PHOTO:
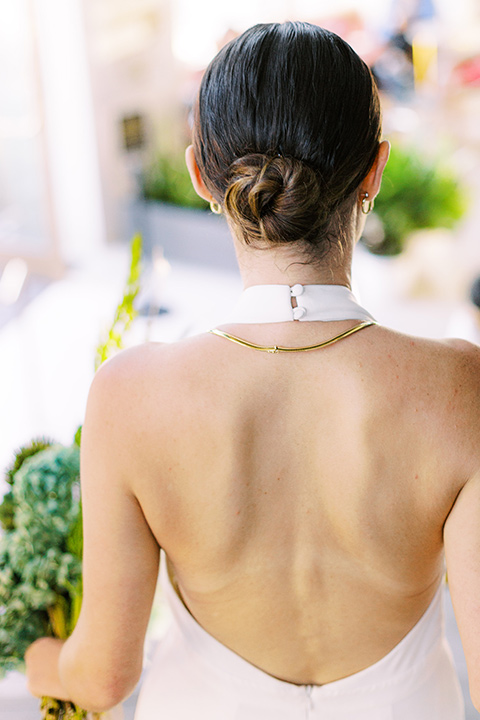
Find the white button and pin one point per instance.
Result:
(297, 290)
(299, 312)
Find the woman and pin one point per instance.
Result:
(303, 499)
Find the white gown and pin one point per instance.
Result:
(195, 677)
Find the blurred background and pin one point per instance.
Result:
(95, 113)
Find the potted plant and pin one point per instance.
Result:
(417, 193)
(175, 218)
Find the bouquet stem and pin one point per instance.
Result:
(60, 710)
(52, 709)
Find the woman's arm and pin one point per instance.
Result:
(462, 550)
(462, 527)
(101, 662)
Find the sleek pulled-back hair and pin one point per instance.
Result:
(287, 125)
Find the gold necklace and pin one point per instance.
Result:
(279, 348)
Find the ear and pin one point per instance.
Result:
(197, 182)
(373, 179)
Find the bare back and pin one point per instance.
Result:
(301, 498)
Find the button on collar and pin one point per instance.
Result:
(297, 290)
(299, 312)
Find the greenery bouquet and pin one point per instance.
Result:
(41, 539)
(40, 555)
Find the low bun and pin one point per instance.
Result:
(275, 199)
(301, 91)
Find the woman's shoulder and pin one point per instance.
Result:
(148, 375)
(140, 394)
(453, 353)
(140, 362)
(437, 380)
(439, 376)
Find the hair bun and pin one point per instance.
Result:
(274, 198)
(300, 89)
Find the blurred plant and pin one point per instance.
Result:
(125, 312)
(416, 193)
(167, 180)
(42, 543)
(7, 507)
(40, 553)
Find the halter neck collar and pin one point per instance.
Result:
(274, 303)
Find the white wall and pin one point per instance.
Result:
(71, 143)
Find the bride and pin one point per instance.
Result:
(304, 470)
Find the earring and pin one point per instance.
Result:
(215, 207)
(367, 205)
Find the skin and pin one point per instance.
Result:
(305, 502)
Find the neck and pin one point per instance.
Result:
(283, 266)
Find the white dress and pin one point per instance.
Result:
(194, 677)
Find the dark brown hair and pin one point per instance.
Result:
(287, 125)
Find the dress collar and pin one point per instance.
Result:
(273, 303)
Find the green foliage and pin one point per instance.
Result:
(7, 506)
(125, 312)
(39, 573)
(41, 548)
(7, 511)
(60, 710)
(78, 436)
(75, 537)
(74, 544)
(167, 180)
(25, 452)
(416, 193)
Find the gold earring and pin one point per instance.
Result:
(367, 205)
(215, 207)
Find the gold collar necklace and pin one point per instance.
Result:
(282, 303)
(280, 348)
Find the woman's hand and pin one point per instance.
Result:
(41, 661)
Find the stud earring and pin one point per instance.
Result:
(367, 205)
(215, 207)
